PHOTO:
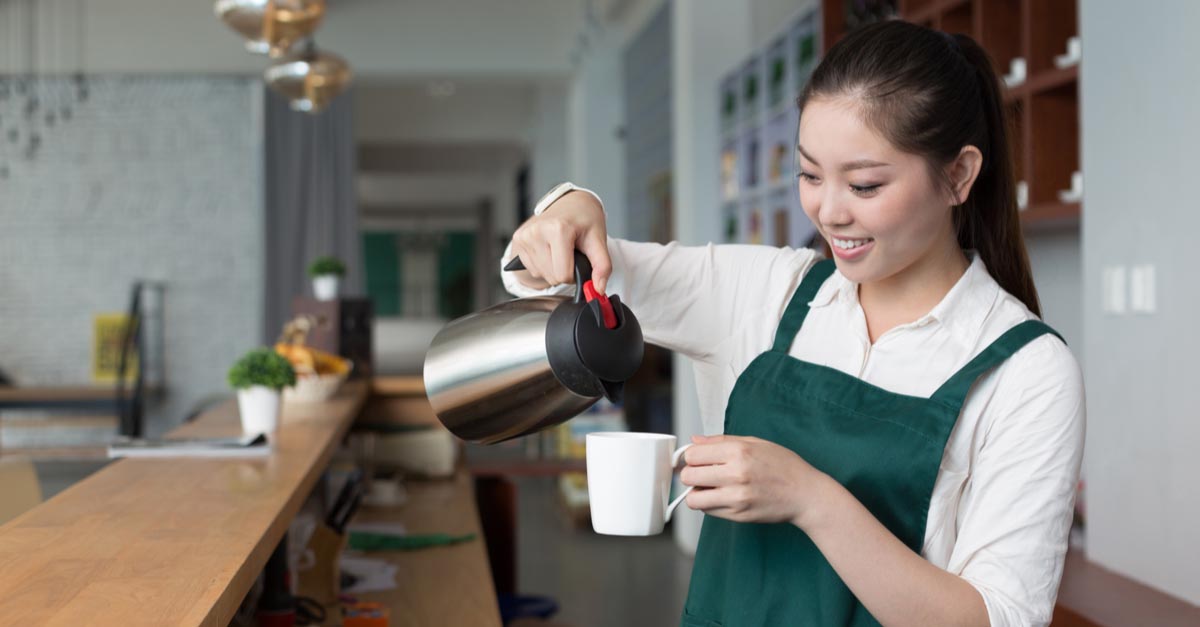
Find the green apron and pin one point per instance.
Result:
(884, 447)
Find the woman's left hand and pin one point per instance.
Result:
(747, 479)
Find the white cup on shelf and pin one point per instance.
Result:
(1017, 71)
(1075, 193)
(1072, 56)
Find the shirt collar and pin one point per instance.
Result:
(962, 309)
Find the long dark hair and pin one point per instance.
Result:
(931, 93)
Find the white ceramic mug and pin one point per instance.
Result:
(629, 481)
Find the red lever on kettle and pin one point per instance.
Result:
(606, 308)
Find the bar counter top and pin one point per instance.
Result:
(168, 541)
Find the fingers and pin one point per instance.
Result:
(714, 476)
(562, 253)
(594, 245)
(720, 449)
(723, 501)
(547, 243)
(546, 247)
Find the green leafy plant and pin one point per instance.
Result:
(262, 366)
(322, 266)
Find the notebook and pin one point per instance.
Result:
(252, 445)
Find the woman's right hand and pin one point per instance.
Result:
(547, 243)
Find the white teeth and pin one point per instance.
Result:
(847, 244)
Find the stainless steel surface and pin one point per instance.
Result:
(488, 378)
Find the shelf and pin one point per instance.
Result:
(1048, 216)
(929, 11)
(1044, 81)
(1000, 32)
(1091, 595)
(958, 17)
(1051, 24)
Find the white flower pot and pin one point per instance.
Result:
(325, 287)
(259, 409)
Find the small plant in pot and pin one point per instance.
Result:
(259, 377)
(325, 273)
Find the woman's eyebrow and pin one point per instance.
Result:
(848, 166)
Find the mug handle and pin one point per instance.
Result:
(675, 457)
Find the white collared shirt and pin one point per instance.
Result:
(1002, 503)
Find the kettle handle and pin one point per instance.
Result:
(583, 272)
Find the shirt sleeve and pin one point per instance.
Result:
(1016, 508)
(690, 299)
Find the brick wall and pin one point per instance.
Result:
(157, 178)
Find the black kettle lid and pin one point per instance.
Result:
(594, 343)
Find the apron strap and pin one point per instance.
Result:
(954, 392)
(797, 308)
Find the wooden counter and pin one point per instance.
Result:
(449, 586)
(167, 541)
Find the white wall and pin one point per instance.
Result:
(480, 110)
(768, 17)
(548, 138)
(153, 178)
(429, 190)
(709, 38)
(1139, 88)
(1057, 261)
(595, 117)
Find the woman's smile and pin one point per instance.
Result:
(851, 249)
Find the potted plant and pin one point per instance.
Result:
(325, 272)
(258, 377)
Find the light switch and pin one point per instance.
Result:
(1113, 290)
(1142, 289)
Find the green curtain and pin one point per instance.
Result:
(381, 258)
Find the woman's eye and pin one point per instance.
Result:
(865, 190)
(805, 176)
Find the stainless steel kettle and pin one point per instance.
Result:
(531, 363)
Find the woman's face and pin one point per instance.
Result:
(877, 207)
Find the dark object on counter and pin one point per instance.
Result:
(346, 503)
(514, 606)
(529, 364)
(343, 328)
(367, 541)
(276, 607)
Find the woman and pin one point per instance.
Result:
(902, 435)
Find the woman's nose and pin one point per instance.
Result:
(832, 209)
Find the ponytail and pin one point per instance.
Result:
(988, 221)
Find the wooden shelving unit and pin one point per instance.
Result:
(1044, 108)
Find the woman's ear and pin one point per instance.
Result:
(963, 171)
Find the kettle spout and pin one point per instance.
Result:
(614, 391)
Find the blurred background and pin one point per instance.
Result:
(154, 170)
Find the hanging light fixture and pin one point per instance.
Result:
(271, 26)
(310, 79)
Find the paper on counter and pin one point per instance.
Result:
(373, 574)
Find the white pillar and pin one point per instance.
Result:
(709, 38)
